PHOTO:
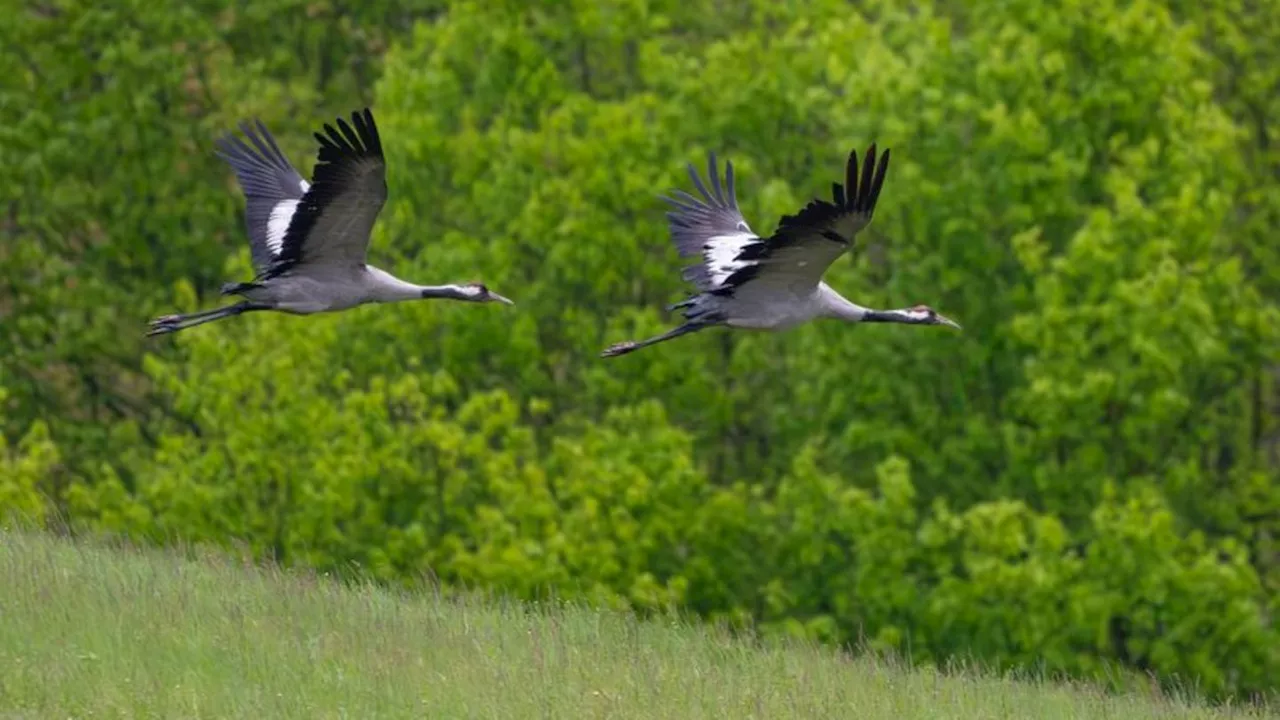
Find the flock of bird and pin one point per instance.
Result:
(309, 242)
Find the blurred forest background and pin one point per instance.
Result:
(1085, 478)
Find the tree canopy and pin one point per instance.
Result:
(1085, 476)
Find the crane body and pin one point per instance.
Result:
(774, 283)
(308, 240)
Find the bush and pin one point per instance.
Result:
(25, 471)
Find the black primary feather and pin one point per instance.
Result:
(854, 201)
(342, 151)
(861, 200)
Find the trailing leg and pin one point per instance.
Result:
(623, 348)
(173, 323)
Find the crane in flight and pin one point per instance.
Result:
(308, 241)
(745, 281)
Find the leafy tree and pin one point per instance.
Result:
(107, 113)
(1083, 477)
(23, 470)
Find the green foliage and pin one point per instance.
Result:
(23, 471)
(156, 634)
(997, 581)
(1084, 477)
(107, 116)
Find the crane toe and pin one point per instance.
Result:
(621, 348)
(164, 324)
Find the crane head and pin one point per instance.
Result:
(925, 315)
(478, 292)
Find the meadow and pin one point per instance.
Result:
(106, 630)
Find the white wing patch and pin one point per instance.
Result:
(278, 223)
(720, 253)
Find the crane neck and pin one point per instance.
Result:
(840, 308)
(450, 292)
(907, 316)
(389, 288)
(836, 306)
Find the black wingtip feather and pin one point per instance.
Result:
(361, 142)
(860, 194)
(864, 191)
(881, 169)
(850, 181)
(341, 148)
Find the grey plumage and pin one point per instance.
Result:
(694, 221)
(309, 241)
(267, 180)
(349, 188)
(773, 283)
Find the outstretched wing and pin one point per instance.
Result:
(272, 188)
(805, 244)
(334, 218)
(711, 229)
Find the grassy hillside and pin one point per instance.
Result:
(92, 631)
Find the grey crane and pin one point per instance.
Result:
(308, 241)
(775, 283)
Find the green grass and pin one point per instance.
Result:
(93, 631)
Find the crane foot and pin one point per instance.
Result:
(621, 348)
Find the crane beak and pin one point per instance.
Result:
(949, 322)
(495, 296)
